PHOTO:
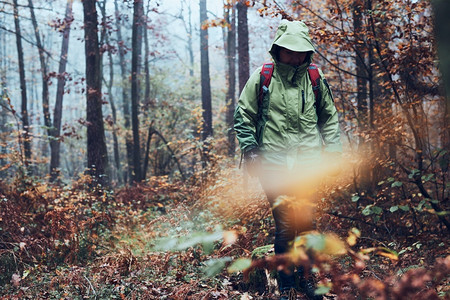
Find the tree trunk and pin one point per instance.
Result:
(205, 78)
(125, 98)
(147, 100)
(97, 156)
(3, 65)
(243, 54)
(244, 58)
(105, 39)
(3, 134)
(231, 91)
(114, 115)
(136, 45)
(190, 46)
(3, 95)
(147, 149)
(23, 87)
(55, 142)
(361, 97)
(361, 79)
(45, 97)
(441, 9)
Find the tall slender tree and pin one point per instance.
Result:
(3, 97)
(114, 117)
(125, 95)
(360, 57)
(23, 87)
(43, 64)
(55, 142)
(207, 129)
(147, 62)
(109, 85)
(441, 9)
(148, 102)
(243, 52)
(230, 16)
(361, 85)
(136, 45)
(97, 155)
(3, 110)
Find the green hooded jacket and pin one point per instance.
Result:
(288, 128)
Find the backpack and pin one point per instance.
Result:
(266, 76)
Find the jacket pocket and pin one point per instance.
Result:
(303, 101)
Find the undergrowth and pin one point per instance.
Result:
(167, 239)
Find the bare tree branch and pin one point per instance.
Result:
(25, 6)
(25, 39)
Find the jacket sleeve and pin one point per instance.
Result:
(246, 114)
(328, 121)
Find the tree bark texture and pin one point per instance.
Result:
(360, 56)
(231, 91)
(104, 38)
(55, 142)
(243, 52)
(441, 10)
(3, 110)
(45, 96)
(125, 98)
(361, 84)
(23, 88)
(97, 155)
(205, 77)
(148, 102)
(114, 116)
(136, 44)
(147, 149)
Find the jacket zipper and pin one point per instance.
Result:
(303, 101)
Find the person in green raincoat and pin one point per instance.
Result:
(285, 138)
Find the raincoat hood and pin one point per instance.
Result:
(292, 35)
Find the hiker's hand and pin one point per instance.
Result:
(252, 162)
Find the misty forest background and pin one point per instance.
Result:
(119, 168)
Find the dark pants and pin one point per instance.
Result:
(293, 213)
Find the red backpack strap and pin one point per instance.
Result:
(314, 76)
(266, 76)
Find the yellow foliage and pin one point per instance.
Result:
(353, 235)
(334, 245)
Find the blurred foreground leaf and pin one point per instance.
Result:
(206, 239)
(326, 243)
(215, 266)
(239, 265)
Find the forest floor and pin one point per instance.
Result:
(162, 241)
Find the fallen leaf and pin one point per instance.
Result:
(15, 280)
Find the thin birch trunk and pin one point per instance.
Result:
(55, 142)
